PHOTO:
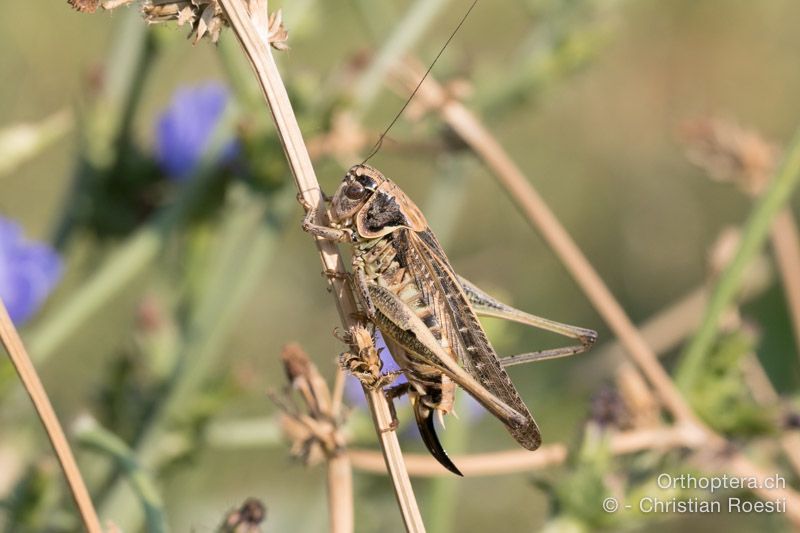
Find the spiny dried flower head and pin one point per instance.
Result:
(277, 34)
(730, 153)
(372, 365)
(313, 424)
(205, 17)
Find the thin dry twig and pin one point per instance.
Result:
(33, 385)
(520, 461)
(251, 29)
(643, 408)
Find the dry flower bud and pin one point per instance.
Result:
(730, 153)
(608, 409)
(313, 429)
(245, 519)
(206, 17)
(295, 362)
(366, 365)
(277, 33)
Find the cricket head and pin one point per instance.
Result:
(373, 204)
(357, 187)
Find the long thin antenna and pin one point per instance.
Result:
(379, 143)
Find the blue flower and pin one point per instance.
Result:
(185, 128)
(29, 271)
(352, 388)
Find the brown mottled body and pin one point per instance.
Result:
(408, 289)
(386, 268)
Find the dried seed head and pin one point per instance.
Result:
(245, 519)
(277, 34)
(730, 153)
(85, 6)
(607, 408)
(295, 362)
(314, 428)
(304, 443)
(205, 17)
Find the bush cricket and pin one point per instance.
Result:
(407, 288)
(427, 314)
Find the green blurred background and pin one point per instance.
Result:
(596, 135)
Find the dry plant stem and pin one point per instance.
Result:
(30, 379)
(483, 143)
(786, 246)
(520, 461)
(486, 464)
(257, 51)
(340, 494)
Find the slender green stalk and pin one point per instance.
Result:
(105, 442)
(754, 234)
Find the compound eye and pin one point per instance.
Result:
(355, 191)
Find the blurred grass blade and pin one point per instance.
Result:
(21, 142)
